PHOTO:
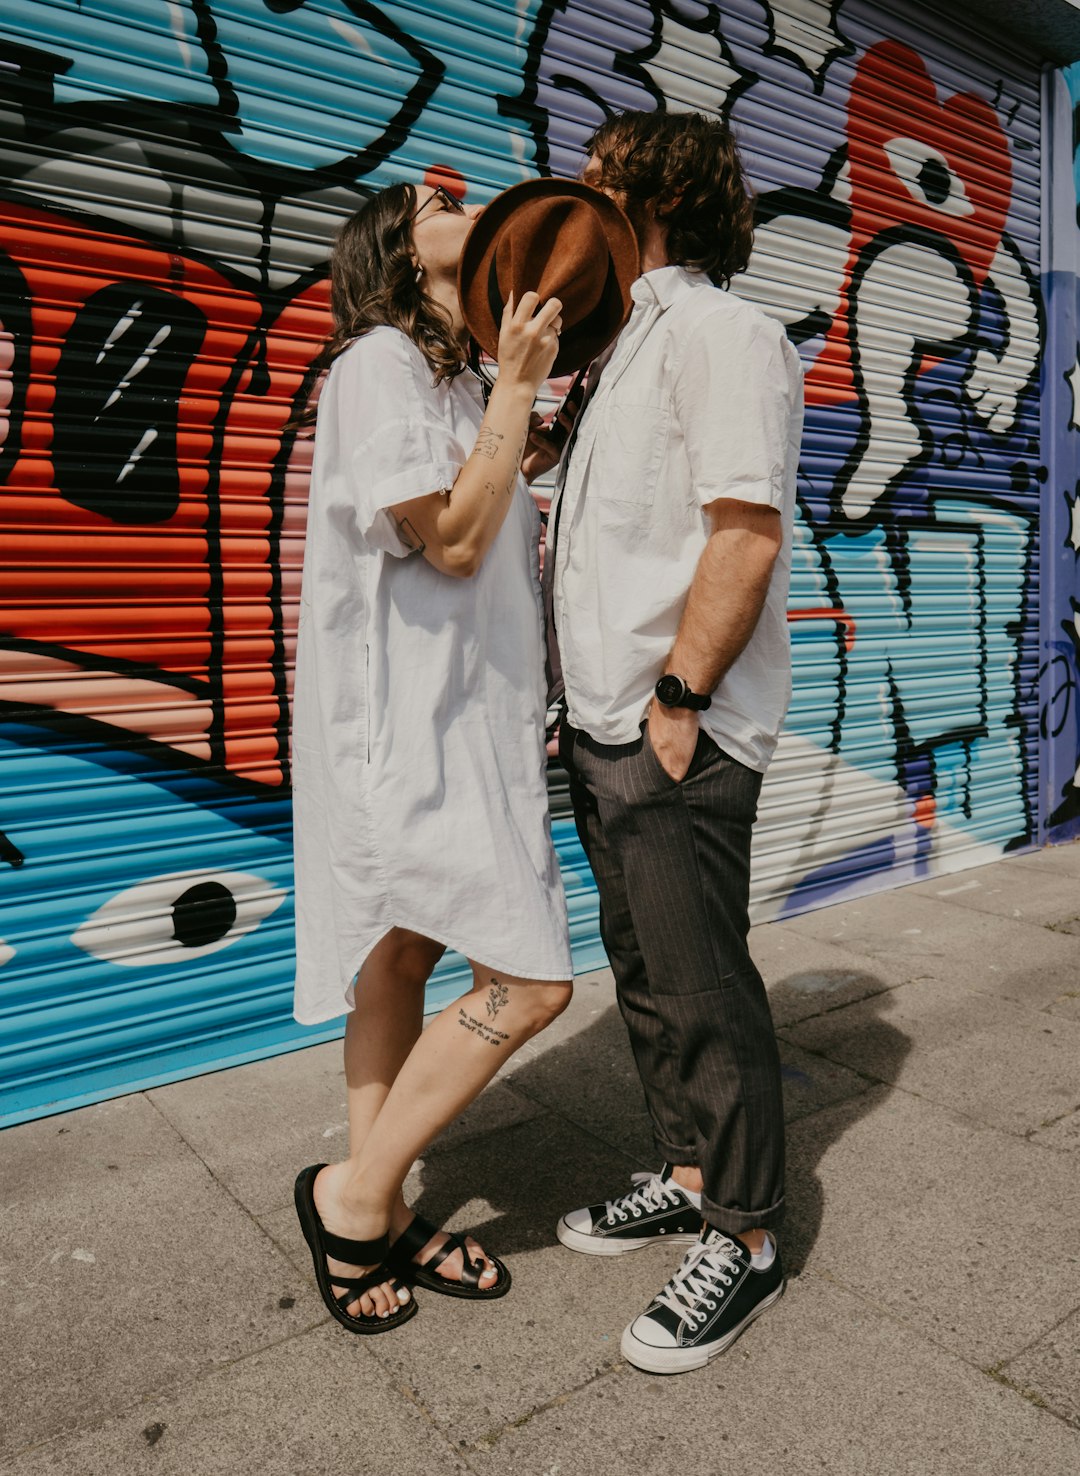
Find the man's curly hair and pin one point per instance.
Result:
(688, 167)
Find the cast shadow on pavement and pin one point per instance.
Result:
(589, 1130)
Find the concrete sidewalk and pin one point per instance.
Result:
(160, 1314)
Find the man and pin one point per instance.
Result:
(669, 577)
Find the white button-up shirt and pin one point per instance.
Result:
(701, 399)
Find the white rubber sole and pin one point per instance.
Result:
(597, 1245)
(682, 1360)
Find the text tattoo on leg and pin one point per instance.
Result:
(498, 995)
(478, 1027)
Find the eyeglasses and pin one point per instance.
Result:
(440, 192)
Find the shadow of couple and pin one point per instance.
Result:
(578, 1125)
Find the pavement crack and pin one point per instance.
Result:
(491, 1438)
(1003, 1363)
(249, 1213)
(1031, 1395)
(995, 1371)
(412, 1397)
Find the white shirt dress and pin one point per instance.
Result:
(419, 774)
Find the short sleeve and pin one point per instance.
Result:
(396, 440)
(735, 390)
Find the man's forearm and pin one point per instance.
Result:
(726, 597)
(723, 606)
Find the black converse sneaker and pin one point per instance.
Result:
(714, 1294)
(656, 1209)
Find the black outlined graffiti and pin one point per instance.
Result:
(644, 54)
(808, 34)
(1064, 695)
(1072, 379)
(119, 378)
(937, 324)
(201, 186)
(15, 350)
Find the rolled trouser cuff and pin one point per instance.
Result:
(677, 1156)
(738, 1222)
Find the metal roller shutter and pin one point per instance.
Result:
(896, 161)
(909, 275)
(171, 173)
(172, 176)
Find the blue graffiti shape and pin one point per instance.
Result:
(127, 50)
(828, 882)
(931, 680)
(1069, 808)
(334, 87)
(151, 920)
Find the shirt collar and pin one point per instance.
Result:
(663, 285)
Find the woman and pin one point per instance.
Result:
(420, 795)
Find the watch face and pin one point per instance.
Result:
(669, 689)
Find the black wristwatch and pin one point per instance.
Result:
(672, 691)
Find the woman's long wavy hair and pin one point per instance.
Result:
(688, 167)
(373, 282)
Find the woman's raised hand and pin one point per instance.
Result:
(529, 339)
(455, 532)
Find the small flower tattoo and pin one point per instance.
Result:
(497, 997)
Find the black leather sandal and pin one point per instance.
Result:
(322, 1243)
(412, 1241)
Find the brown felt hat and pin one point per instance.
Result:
(561, 239)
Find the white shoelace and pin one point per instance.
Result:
(693, 1292)
(651, 1194)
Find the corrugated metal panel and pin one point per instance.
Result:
(910, 279)
(896, 160)
(171, 177)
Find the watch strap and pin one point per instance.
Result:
(693, 700)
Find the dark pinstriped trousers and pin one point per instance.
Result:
(672, 867)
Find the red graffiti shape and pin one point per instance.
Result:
(914, 161)
(145, 513)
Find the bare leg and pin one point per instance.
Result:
(385, 1025)
(450, 1063)
(379, 1034)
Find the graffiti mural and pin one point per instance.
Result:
(171, 177)
(897, 242)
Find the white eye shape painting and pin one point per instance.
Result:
(178, 917)
(927, 177)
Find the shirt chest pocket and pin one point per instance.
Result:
(629, 454)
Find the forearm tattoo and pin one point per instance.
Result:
(487, 443)
(498, 995)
